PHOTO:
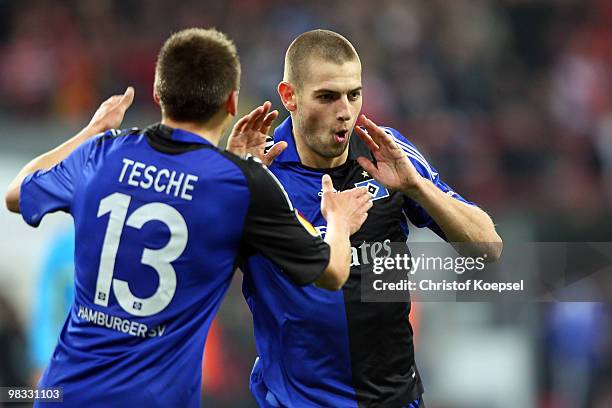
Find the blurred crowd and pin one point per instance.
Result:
(511, 100)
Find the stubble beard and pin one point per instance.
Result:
(326, 149)
(320, 143)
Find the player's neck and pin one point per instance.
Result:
(212, 130)
(310, 158)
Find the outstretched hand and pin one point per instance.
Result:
(250, 132)
(393, 169)
(110, 113)
(108, 116)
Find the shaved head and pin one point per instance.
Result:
(316, 44)
(321, 88)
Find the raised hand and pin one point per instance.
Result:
(392, 168)
(250, 132)
(349, 207)
(108, 116)
(110, 113)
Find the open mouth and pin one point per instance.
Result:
(341, 136)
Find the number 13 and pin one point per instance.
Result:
(159, 259)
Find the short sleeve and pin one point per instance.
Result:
(277, 230)
(415, 213)
(47, 191)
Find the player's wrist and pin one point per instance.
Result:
(338, 223)
(416, 189)
(94, 128)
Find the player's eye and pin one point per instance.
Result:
(326, 97)
(353, 96)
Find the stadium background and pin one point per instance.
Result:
(510, 100)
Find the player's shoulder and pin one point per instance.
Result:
(114, 134)
(250, 165)
(255, 172)
(405, 144)
(399, 138)
(102, 141)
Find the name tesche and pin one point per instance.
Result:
(166, 181)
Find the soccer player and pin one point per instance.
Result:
(328, 349)
(162, 217)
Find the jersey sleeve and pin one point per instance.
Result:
(414, 212)
(47, 191)
(277, 230)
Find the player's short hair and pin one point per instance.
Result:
(324, 44)
(196, 71)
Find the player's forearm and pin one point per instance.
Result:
(337, 235)
(46, 161)
(460, 222)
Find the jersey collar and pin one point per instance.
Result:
(178, 135)
(284, 132)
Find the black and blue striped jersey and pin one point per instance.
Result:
(329, 349)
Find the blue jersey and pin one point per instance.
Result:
(328, 349)
(162, 218)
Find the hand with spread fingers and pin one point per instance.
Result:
(250, 132)
(392, 168)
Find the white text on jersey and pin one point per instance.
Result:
(165, 181)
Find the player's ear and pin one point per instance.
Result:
(156, 97)
(287, 95)
(231, 105)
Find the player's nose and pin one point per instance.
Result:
(343, 111)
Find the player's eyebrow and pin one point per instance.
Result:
(320, 91)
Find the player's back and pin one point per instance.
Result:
(159, 218)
